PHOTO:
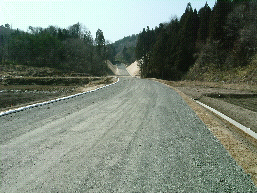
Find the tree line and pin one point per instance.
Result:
(71, 49)
(224, 37)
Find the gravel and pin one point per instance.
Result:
(135, 136)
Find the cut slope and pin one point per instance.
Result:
(112, 67)
(134, 69)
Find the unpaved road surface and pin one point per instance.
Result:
(135, 136)
(122, 71)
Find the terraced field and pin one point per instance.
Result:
(248, 102)
(15, 92)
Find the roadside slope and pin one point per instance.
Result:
(112, 67)
(134, 69)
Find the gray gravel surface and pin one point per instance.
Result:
(122, 71)
(135, 136)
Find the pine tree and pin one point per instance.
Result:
(145, 43)
(159, 54)
(204, 19)
(187, 36)
(218, 19)
(100, 44)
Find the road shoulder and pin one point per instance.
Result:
(240, 146)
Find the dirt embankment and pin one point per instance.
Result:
(134, 69)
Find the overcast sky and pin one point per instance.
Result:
(116, 18)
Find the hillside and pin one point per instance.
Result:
(247, 74)
(212, 44)
(125, 49)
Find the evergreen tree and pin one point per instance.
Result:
(218, 18)
(125, 54)
(204, 18)
(100, 43)
(164, 52)
(189, 25)
(144, 47)
(101, 53)
(75, 30)
(157, 60)
(111, 52)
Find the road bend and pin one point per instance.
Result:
(122, 71)
(135, 136)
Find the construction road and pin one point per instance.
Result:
(135, 136)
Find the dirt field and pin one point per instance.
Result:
(14, 96)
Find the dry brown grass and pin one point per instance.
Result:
(210, 73)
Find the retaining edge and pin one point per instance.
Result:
(238, 125)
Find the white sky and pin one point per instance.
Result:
(116, 18)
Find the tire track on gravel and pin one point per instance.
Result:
(137, 136)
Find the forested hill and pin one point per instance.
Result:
(206, 44)
(69, 50)
(125, 49)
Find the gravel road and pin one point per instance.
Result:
(135, 136)
(122, 71)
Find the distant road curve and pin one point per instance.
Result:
(122, 71)
(135, 136)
